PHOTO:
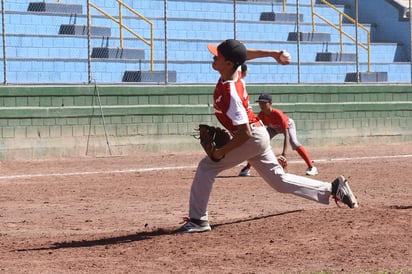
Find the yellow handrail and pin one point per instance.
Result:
(340, 28)
(122, 26)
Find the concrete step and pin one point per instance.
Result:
(55, 7)
(148, 76)
(72, 29)
(280, 16)
(367, 77)
(310, 36)
(117, 53)
(335, 57)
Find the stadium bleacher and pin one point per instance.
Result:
(38, 52)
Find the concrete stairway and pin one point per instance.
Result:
(103, 52)
(42, 55)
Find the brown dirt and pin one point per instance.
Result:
(117, 215)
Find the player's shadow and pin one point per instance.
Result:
(142, 235)
(235, 176)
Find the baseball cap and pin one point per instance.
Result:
(233, 50)
(265, 98)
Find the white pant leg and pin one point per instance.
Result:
(258, 152)
(293, 138)
(269, 169)
(207, 171)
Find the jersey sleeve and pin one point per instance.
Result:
(237, 112)
(231, 104)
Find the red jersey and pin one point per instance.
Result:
(231, 104)
(277, 120)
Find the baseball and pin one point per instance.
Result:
(285, 57)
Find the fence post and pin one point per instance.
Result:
(410, 36)
(234, 19)
(357, 42)
(298, 37)
(166, 53)
(89, 66)
(3, 27)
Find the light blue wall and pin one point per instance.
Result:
(388, 22)
(37, 54)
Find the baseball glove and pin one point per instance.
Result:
(211, 138)
(283, 162)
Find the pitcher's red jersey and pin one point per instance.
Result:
(231, 104)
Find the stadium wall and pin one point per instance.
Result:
(39, 122)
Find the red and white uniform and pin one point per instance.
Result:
(231, 103)
(277, 120)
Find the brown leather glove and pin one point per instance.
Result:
(211, 138)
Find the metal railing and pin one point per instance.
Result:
(122, 26)
(340, 28)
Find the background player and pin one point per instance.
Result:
(250, 142)
(243, 69)
(278, 122)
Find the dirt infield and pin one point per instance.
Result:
(118, 214)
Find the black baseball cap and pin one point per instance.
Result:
(265, 98)
(233, 50)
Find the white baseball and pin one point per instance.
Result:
(285, 56)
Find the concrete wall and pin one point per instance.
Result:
(388, 23)
(49, 121)
(40, 55)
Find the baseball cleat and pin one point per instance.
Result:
(312, 171)
(245, 171)
(342, 192)
(193, 225)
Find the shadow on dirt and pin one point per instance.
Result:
(142, 235)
